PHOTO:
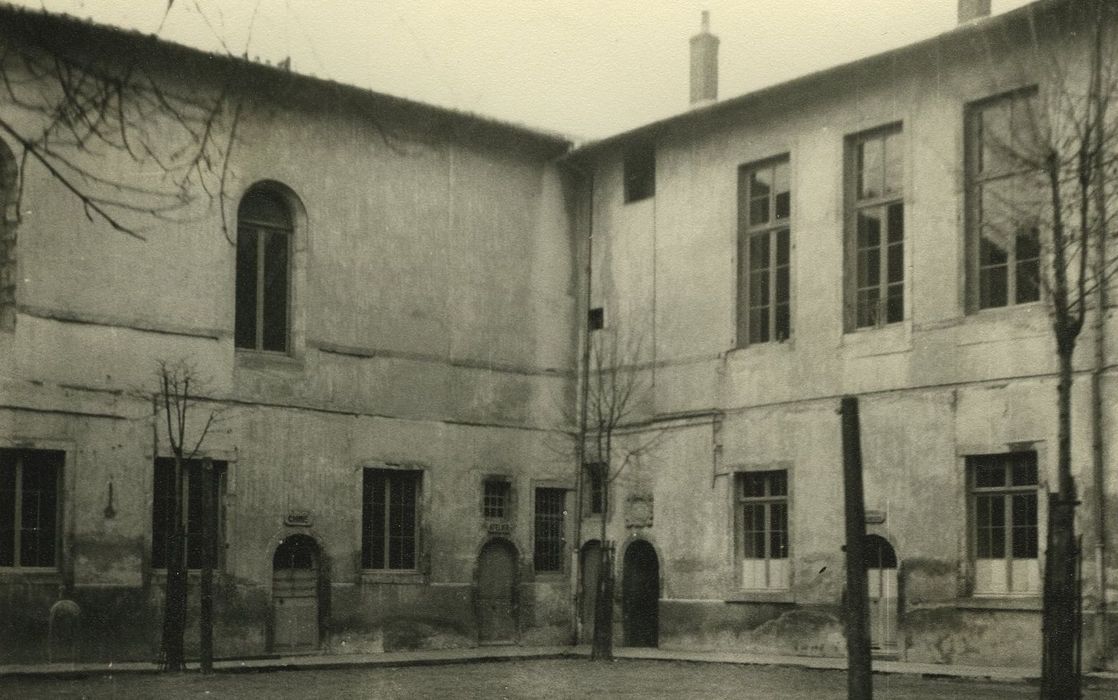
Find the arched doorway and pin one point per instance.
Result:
(591, 564)
(640, 595)
(295, 603)
(496, 593)
(881, 573)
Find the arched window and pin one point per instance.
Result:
(264, 233)
(8, 185)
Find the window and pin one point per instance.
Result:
(875, 230)
(264, 233)
(595, 487)
(1005, 197)
(29, 481)
(550, 508)
(596, 319)
(495, 500)
(389, 519)
(193, 489)
(763, 529)
(764, 209)
(640, 173)
(1004, 518)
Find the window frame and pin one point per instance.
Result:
(159, 532)
(886, 201)
(1005, 460)
(552, 560)
(17, 456)
(741, 501)
(262, 231)
(772, 229)
(390, 476)
(975, 181)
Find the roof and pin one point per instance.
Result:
(40, 23)
(708, 112)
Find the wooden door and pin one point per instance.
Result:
(295, 594)
(640, 595)
(496, 590)
(881, 573)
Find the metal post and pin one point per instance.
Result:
(859, 678)
(206, 613)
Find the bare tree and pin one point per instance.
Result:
(176, 400)
(1063, 149)
(81, 101)
(613, 439)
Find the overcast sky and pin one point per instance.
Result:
(588, 68)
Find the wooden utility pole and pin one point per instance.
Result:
(206, 613)
(859, 678)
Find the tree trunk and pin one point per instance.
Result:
(174, 601)
(1060, 677)
(206, 609)
(602, 649)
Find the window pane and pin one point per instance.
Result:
(1024, 470)
(994, 135)
(373, 520)
(245, 322)
(990, 474)
(7, 507)
(778, 483)
(868, 304)
(894, 164)
(161, 511)
(549, 530)
(895, 263)
(778, 524)
(783, 328)
(869, 267)
(40, 507)
(869, 228)
(896, 222)
(870, 168)
(894, 303)
(782, 247)
(1028, 266)
(992, 287)
(759, 325)
(753, 519)
(263, 207)
(1024, 526)
(760, 192)
(753, 484)
(275, 291)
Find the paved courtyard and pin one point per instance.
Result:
(557, 678)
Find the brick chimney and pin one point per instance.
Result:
(970, 10)
(704, 64)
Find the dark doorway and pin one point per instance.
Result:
(640, 595)
(496, 593)
(295, 588)
(591, 565)
(881, 574)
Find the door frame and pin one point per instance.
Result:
(655, 552)
(322, 590)
(894, 612)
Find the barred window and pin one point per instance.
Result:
(550, 511)
(495, 499)
(390, 519)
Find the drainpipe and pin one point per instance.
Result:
(1098, 461)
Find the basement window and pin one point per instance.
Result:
(640, 173)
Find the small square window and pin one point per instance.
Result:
(495, 499)
(596, 319)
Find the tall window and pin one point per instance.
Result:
(763, 529)
(1005, 197)
(875, 238)
(496, 499)
(594, 478)
(764, 290)
(29, 481)
(550, 506)
(193, 491)
(639, 170)
(390, 519)
(264, 233)
(1004, 521)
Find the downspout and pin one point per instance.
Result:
(1097, 443)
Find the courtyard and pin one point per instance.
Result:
(553, 678)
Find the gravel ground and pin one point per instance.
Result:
(568, 678)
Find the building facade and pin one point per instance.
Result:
(389, 307)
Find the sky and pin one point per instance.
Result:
(585, 68)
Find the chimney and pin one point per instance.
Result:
(704, 64)
(970, 10)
